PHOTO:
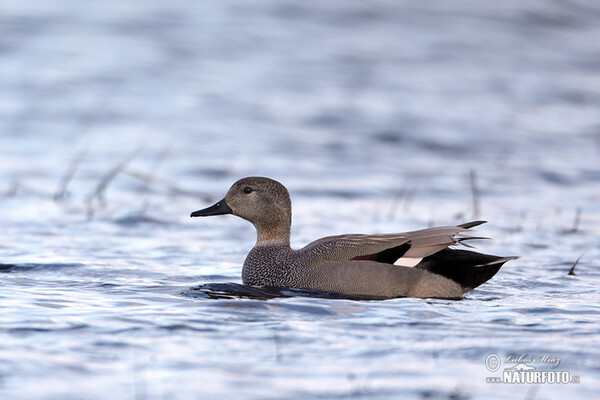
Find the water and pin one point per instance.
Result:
(118, 119)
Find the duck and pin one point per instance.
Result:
(423, 263)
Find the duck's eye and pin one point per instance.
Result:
(247, 190)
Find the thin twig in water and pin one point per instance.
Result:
(572, 270)
(17, 187)
(278, 352)
(145, 186)
(162, 156)
(111, 175)
(98, 193)
(523, 216)
(532, 392)
(577, 220)
(12, 189)
(82, 126)
(474, 193)
(396, 200)
(68, 176)
(410, 196)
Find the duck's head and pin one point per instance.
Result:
(262, 201)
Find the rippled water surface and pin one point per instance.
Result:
(117, 119)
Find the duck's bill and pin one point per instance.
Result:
(220, 208)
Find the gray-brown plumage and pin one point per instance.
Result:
(353, 264)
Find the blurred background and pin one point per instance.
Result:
(119, 118)
(361, 97)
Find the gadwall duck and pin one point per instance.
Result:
(356, 265)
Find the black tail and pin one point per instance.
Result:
(467, 268)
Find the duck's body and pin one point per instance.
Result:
(354, 265)
(281, 266)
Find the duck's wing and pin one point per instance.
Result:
(386, 248)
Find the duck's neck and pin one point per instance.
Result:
(278, 234)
